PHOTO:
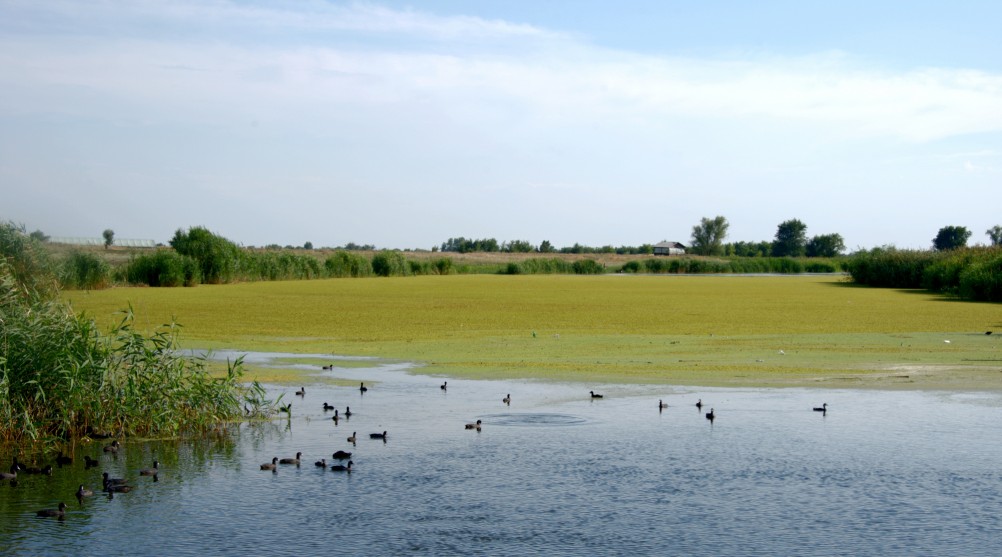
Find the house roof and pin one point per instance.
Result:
(667, 244)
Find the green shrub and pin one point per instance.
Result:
(588, 267)
(982, 281)
(346, 264)
(84, 271)
(390, 264)
(218, 258)
(163, 268)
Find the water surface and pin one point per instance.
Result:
(555, 472)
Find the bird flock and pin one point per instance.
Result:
(111, 485)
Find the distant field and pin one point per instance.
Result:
(687, 330)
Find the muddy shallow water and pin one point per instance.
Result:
(554, 472)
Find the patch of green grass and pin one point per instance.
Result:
(697, 330)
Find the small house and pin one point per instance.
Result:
(669, 248)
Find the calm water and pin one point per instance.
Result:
(554, 473)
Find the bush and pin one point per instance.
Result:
(345, 264)
(163, 268)
(390, 264)
(217, 257)
(588, 267)
(982, 281)
(84, 271)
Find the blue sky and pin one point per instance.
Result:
(403, 124)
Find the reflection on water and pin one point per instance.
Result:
(554, 472)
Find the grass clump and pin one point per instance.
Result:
(60, 377)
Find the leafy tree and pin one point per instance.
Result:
(791, 239)
(41, 237)
(995, 234)
(825, 245)
(708, 236)
(546, 247)
(517, 246)
(217, 257)
(308, 245)
(109, 237)
(951, 237)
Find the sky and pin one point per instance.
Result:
(404, 124)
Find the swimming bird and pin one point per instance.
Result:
(331, 366)
(378, 436)
(291, 460)
(151, 471)
(322, 463)
(286, 409)
(473, 426)
(342, 468)
(273, 465)
(81, 493)
(90, 462)
(988, 332)
(12, 475)
(362, 387)
(352, 438)
(328, 407)
(347, 412)
(59, 513)
(113, 447)
(15, 465)
(710, 415)
(301, 391)
(593, 395)
(341, 455)
(108, 480)
(822, 408)
(699, 403)
(507, 399)
(111, 489)
(662, 404)
(443, 385)
(47, 470)
(63, 460)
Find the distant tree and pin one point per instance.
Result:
(546, 247)
(216, 256)
(708, 236)
(791, 239)
(951, 237)
(308, 245)
(517, 246)
(825, 245)
(109, 238)
(41, 237)
(995, 234)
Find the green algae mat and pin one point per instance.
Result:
(719, 330)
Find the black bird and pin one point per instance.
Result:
(335, 417)
(331, 366)
(507, 399)
(47, 470)
(111, 489)
(63, 460)
(89, 462)
(151, 471)
(823, 408)
(328, 407)
(273, 465)
(113, 447)
(378, 436)
(286, 409)
(322, 463)
(443, 385)
(710, 416)
(301, 391)
(699, 403)
(112, 481)
(291, 460)
(662, 405)
(342, 468)
(352, 438)
(58, 513)
(473, 426)
(593, 395)
(988, 332)
(362, 387)
(81, 493)
(341, 455)
(347, 412)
